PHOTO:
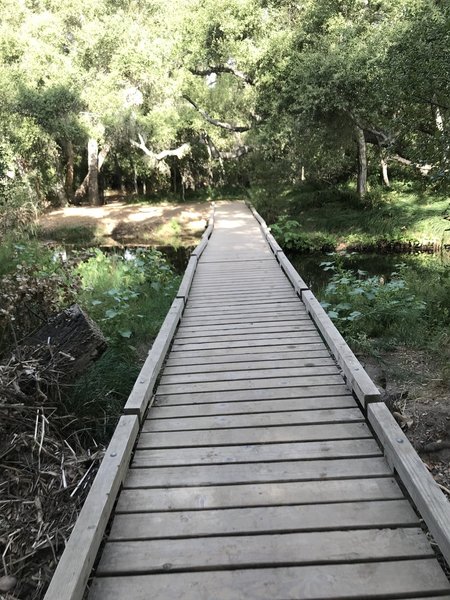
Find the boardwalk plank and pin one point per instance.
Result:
(251, 384)
(258, 420)
(253, 435)
(252, 342)
(257, 453)
(263, 550)
(262, 373)
(258, 494)
(240, 408)
(268, 325)
(262, 393)
(257, 331)
(237, 355)
(376, 580)
(276, 519)
(271, 361)
(337, 468)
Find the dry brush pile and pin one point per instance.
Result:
(47, 459)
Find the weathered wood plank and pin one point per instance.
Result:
(247, 329)
(292, 340)
(291, 273)
(255, 323)
(381, 580)
(356, 377)
(71, 575)
(264, 373)
(236, 318)
(254, 395)
(268, 419)
(258, 494)
(319, 351)
(236, 408)
(262, 550)
(274, 519)
(233, 303)
(186, 282)
(254, 435)
(256, 350)
(307, 333)
(251, 384)
(364, 448)
(426, 495)
(143, 388)
(270, 362)
(337, 468)
(244, 299)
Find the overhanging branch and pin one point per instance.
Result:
(179, 152)
(216, 122)
(223, 69)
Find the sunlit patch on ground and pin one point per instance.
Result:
(118, 223)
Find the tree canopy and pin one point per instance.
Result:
(151, 96)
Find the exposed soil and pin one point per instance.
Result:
(418, 394)
(119, 223)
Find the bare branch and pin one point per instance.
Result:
(179, 152)
(215, 122)
(223, 69)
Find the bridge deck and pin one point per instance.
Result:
(256, 474)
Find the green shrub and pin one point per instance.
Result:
(290, 234)
(371, 307)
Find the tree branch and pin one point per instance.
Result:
(223, 69)
(179, 152)
(215, 122)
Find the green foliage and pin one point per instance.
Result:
(290, 235)
(308, 216)
(119, 290)
(364, 306)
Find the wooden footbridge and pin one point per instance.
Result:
(266, 467)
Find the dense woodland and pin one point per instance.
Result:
(151, 96)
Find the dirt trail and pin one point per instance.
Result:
(119, 223)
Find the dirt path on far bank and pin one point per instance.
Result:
(118, 223)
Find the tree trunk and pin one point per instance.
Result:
(68, 184)
(362, 163)
(82, 189)
(93, 195)
(67, 345)
(384, 172)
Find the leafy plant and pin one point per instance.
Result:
(372, 306)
